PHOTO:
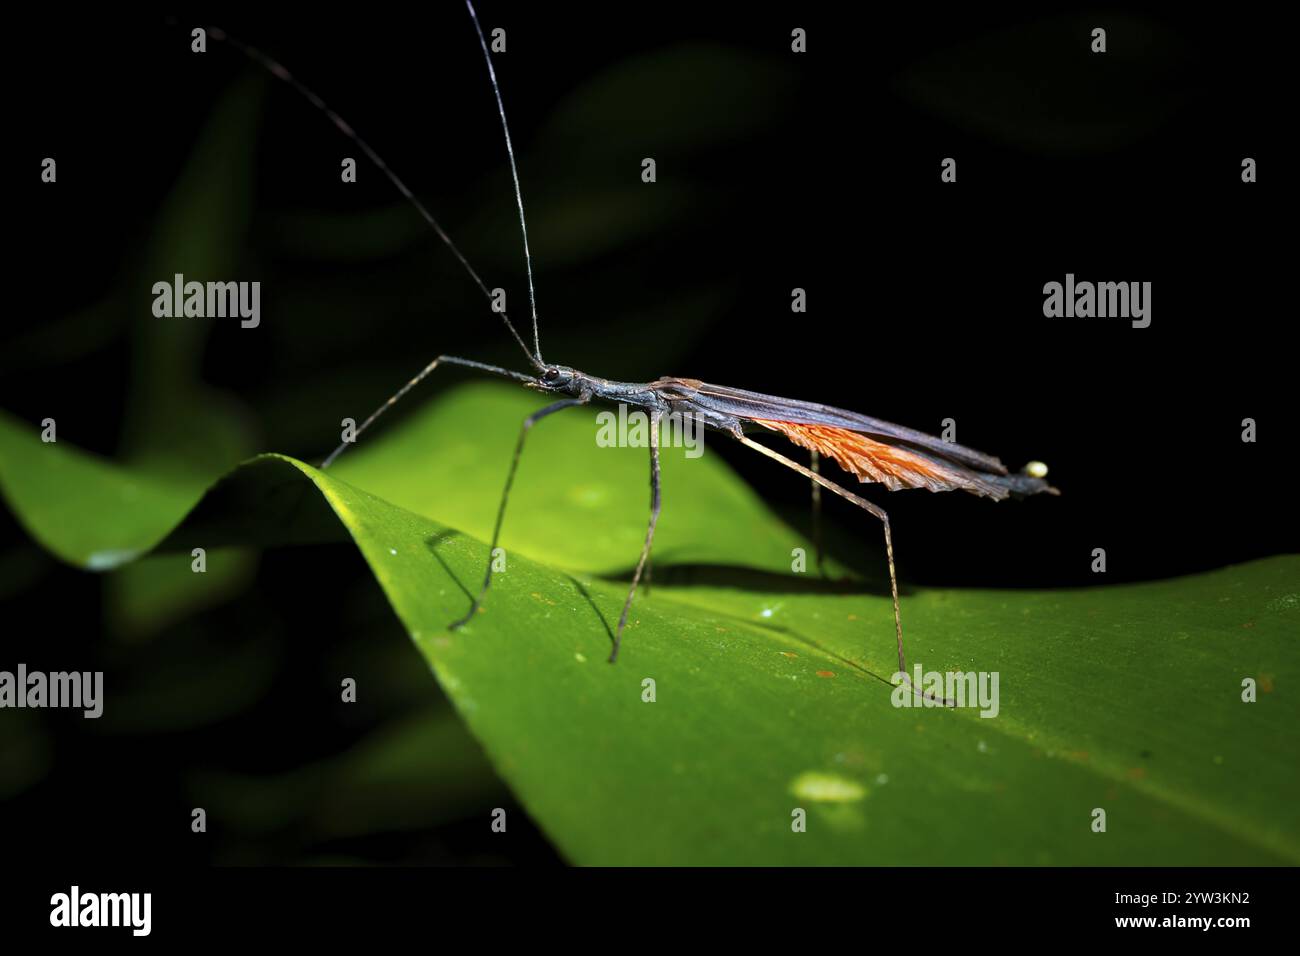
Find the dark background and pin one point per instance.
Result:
(819, 171)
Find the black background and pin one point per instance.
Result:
(925, 299)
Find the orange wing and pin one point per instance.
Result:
(890, 465)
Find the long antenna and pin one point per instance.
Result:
(514, 172)
(280, 73)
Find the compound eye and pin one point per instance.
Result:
(551, 375)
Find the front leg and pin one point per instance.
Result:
(650, 531)
(529, 422)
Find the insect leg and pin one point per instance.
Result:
(529, 422)
(649, 534)
(865, 505)
(440, 360)
(817, 514)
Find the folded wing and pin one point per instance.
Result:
(755, 405)
(871, 449)
(893, 466)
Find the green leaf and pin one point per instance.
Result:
(178, 431)
(772, 689)
(85, 510)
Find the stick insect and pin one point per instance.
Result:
(871, 450)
